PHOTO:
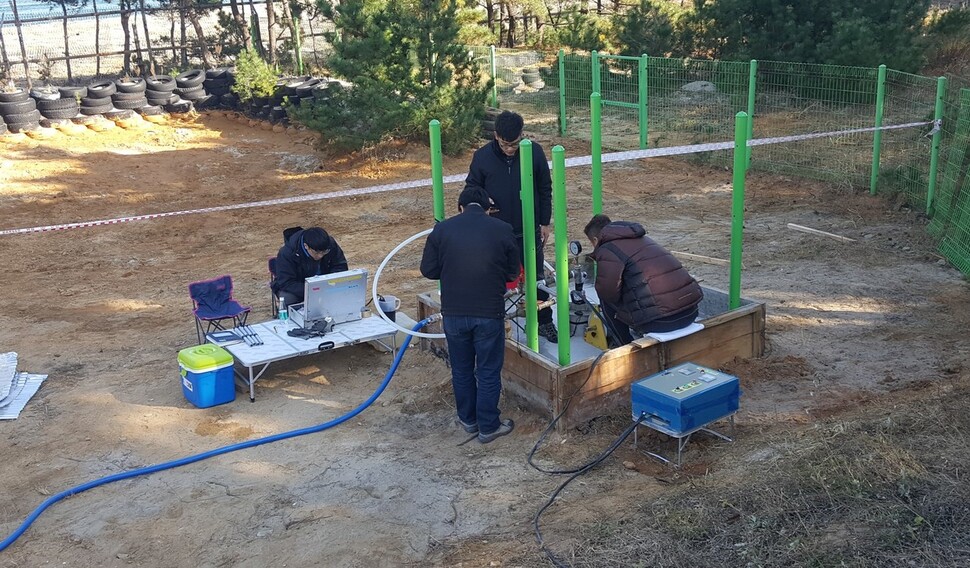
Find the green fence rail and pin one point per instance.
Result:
(661, 102)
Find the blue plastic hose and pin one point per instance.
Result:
(216, 452)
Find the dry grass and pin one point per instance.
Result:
(878, 487)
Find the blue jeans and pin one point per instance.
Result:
(476, 350)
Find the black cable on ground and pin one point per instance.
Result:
(595, 462)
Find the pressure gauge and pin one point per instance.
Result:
(575, 248)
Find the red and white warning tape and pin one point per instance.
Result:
(571, 162)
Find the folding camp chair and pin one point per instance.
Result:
(213, 303)
(271, 264)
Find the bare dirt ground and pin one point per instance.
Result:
(105, 310)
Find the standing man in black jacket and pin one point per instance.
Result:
(495, 168)
(474, 256)
(309, 252)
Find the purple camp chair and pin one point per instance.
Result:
(213, 303)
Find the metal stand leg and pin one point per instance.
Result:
(252, 386)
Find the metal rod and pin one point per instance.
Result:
(562, 93)
(491, 67)
(752, 90)
(562, 251)
(877, 135)
(596, 147)
(527, 196)
(737, 207)
(644, 96)
(935, 150)
(437, 179)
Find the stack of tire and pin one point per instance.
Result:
(129, 97)
(190, 89)
(216, 85)
(230, 99)
(19, 112)
(53, 111)
(532, 79)
(488, 123)
(98, 99)
(160, 93)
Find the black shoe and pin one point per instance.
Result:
(548, 330)
(470, 428)
(504, 428)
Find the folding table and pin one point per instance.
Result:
(278, 346)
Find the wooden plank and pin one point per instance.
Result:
(720, 354)
(700, 258)
(711, 336)
(812, 231)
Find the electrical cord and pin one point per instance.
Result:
(595, 462)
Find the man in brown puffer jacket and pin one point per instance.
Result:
(641, 286)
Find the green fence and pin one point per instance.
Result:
(661, 102)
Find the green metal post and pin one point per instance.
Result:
(562, 92)
(737, 207)
(752, 85)
(935, 151)
(562, 251)
(298, 45)
(877, 135)
(437, 178)
(596, 72)
(642, 99)
(596, 143)
(527, 196)
(491, 66)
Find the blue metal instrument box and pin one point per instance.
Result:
(684, 398)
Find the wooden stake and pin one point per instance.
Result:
(817, 232)
(700, 258)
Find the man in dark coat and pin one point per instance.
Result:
(474, 255)
(641, 286)
(495, 168)
(308, 252)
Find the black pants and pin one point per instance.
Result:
(623, 334)
(545, 314)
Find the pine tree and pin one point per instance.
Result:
(406, 68)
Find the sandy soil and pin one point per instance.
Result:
(105, 310)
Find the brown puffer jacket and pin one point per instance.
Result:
(639, 278)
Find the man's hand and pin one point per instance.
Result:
(545, 231)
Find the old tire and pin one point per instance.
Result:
(101, 89)
(191, 78)
(161, 83)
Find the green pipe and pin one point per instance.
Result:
(562, 93)
(752, 90)
(642, 98)
(527, 196)
(562, 251)
(877, 135)
(596, 72)
(620, 57)
(935, 151)
(491, 66)
(596, 143)
(737, 207)
(437, 178)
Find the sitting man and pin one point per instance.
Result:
(641, 286)
(308, 252)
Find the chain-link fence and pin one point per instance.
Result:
(686, 101)
(646, 101)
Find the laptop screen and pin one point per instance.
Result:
(341, 295)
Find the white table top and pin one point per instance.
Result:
(277, 345)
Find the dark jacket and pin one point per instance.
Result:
(293, 265)
(499, 175)
(473, 255)
(640, 279)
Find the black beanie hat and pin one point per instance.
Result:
(317, 239)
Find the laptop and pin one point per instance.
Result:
(340, 296)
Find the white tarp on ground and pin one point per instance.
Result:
(8, 372)
(16, 389)
(25, 386)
